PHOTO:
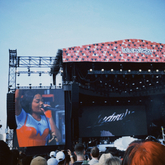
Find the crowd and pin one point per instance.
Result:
(146, 152)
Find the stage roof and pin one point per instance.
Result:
(128, 50)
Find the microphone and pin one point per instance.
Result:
(49, 108)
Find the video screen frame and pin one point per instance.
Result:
(44, 124)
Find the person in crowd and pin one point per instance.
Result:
(69, 157)
(94, 155)
(39, 160)
(103, 158)
(144, 153)
(79, 151)
(60, 156)
(113, 161)
(34, 124)
(52, 160)
(5, 154)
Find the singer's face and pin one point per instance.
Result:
(37, 104)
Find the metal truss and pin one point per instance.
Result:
(17, 65)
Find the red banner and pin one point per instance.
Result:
(128, 50)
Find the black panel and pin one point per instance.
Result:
(11, 111)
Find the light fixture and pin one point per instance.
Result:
(90, 70)
(102, 70)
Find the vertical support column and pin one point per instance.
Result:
(12, 70)
(75, 109)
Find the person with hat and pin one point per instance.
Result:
(52, 160)
(60, 156)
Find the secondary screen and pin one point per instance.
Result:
(102, 121)
(40, 117)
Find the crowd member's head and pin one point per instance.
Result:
(60, 156)
(5, 153)
(144, 153)
(103, 158)
(95, 152)
(79, 149)
(52, 154)
(113, 161)
(39, 160)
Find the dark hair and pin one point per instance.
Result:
(27, 97)
(79, 149)
(143, 153)
(95, 152)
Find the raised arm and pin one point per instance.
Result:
(17, 102)
(54, 130)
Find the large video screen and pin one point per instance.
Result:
(40, 117)
(103, 121)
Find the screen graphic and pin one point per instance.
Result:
(103, 121)
(40, 117)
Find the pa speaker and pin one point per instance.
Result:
(11, 111)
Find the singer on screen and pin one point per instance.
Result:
(35, 124)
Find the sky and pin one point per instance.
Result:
(41, 27)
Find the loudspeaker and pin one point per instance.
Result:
(11, 111)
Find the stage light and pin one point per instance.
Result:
(105, 101)
(149, 70)
(140, 70)
(102, 70)
(133, 83)
(157, 70)
(150, 84)
(129, 70)
(147, 80)
(93, 102)
(112, 70)
(90, 70)
(140, 82)
(157, 82)
(157, 76)
(137, 88)
(121, 70)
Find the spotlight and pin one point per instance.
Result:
(129, 70)
(112, 70)
(140, 70)
(149, 70)
(157, 70)
(121, 70)
(102, 70)
(90, 70)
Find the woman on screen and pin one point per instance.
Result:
(34, 124)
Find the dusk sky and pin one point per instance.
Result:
(41, 27)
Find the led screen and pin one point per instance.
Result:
(40, 117)
(103, 121)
